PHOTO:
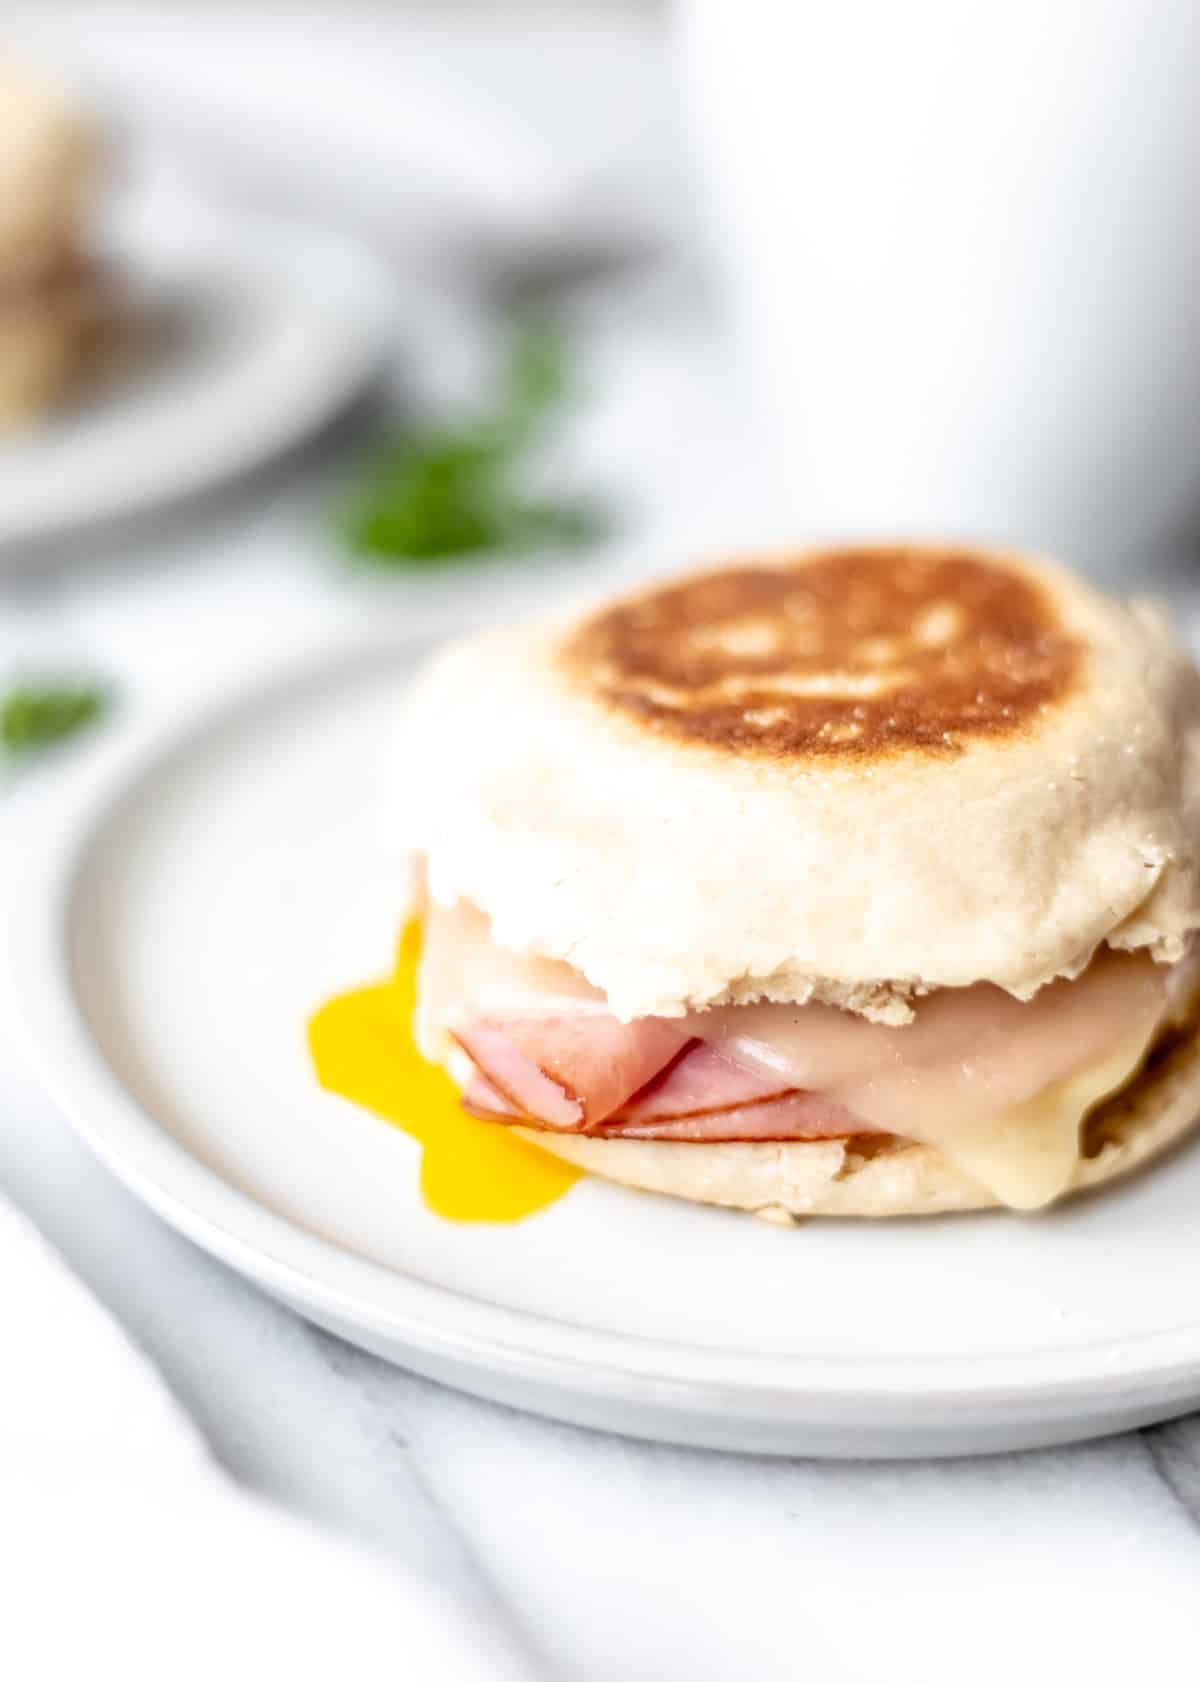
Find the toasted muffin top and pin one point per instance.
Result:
(847, 653)
(851, 775)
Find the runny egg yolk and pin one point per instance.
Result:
(363, 1048)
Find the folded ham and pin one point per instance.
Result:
(792, 1115)
(699, 1080)
(786, 1115)
(570, 1071)
(697, 1095)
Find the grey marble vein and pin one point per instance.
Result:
(1174, 1450)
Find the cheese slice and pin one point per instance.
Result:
(464, 975)
(1027, 1156)
(998, 1086)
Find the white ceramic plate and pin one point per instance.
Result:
(268, 329)
(203, 899)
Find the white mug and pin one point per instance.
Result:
(963, 241)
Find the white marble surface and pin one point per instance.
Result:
(116, 1510)
(595, 1557)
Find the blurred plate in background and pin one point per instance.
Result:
(249, 334)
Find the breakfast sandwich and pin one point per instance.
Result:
(53, 299)
(860, 881)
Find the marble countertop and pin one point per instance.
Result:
(594, 1557)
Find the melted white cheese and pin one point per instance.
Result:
(1027, 1156)
(998, 1086)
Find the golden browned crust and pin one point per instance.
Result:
(851, 653)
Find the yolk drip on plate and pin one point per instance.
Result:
(363, 1048)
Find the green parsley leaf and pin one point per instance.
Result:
(443, 492)
(34, 716)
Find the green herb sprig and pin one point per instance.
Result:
(36, 716)
(446, 491)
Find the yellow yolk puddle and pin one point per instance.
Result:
(363, 1048)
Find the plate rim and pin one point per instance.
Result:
(278, 1254)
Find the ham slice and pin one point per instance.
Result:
(570, 1071)
(698, 1081)
(790, 1115)
(483, 1100)
(783, 1115)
